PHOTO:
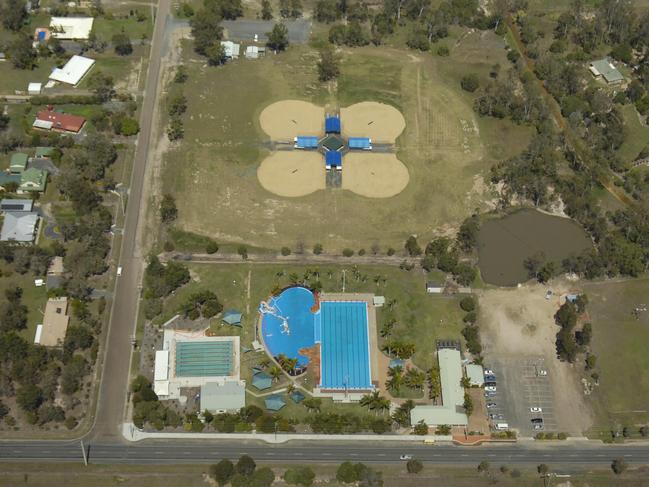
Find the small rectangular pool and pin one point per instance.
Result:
(344, 346)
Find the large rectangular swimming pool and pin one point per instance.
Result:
(344, 346)
(203, 358)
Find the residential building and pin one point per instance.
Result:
(33, 180)
(18, 163)
(57, 121)
(9, 182)
(16, 205)
(19, 226)
(605, 69)
(71, 27)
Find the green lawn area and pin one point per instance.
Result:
(620, 344)
(637, 134)
(445, 147)
(12, 79)
(33, 297)
(120, 21)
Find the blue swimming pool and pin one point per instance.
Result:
(340, 327)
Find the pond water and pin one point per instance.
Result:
(504, 244)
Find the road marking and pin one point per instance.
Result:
(326, 454)
(270, 454)
(380, 455)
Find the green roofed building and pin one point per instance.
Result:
(18, 163)
(274, 402)
(44, 152)
(33, 180)
(604, 68)
(232, 317)
(7, 179)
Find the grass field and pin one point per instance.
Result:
(33, 297)
(445, 147)
(619, 342)
(637, 136)
(421, 318)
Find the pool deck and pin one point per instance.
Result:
(375, 354)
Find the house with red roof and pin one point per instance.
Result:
(57, 121)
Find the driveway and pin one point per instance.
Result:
(245, 30)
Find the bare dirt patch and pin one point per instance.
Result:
(379, 121)
(519, 322)
(374, 175)
(292, 174)
(287, 119)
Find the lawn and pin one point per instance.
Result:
(33, 297)
(120, 21)
(619, 342)
(446, 148)
(421, 318)
(637, 135)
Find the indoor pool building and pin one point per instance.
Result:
(333, 335)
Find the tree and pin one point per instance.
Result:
(349, 472)
(215, 54)
(326, 11)
(22, 53)
(329, 64)
(483, 466)
(470, 82)
(246, 466)
(299, 476)
(13, 14)
(29, 398)
(275, 372)
(278, 38)
(129, 126)
(467, 237)
(296, 9)
(543, 469)
(412, 247)
(102, 84)
(122, 44)
(467, 303)
(266, 10)
(168, 210)
(468, 404)
(619, 465)
(222, 472)
(420, 428)
(414, 466)
(206, 30)
(317, 249)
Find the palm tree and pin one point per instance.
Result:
(382, 404)
(414, 378)
(264, 362)
(290, 388)
(366, 401)
(275, 372)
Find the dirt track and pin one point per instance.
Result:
(287, 119)
(292, 174)
(380, 122)
(374, 175)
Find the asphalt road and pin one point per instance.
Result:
(324, 452)
(245, 30)
(114, 380)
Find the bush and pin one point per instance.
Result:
(390, 251)
(361, 252)
(619, 466)
(129, 126)
(470, 83)
(414, 466)
(246, 466)
(412, 246)
(348, 252)
(242, 250)
(222, 472)
(212, 247)
(443, 51)
(467, 303)
(299, 476)
(317, 249)
(286, 251)
(471, 317)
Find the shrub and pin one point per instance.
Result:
(285, 251)
(317, 249)
(361, 252)
(470, 82)
(242, 250)
(212, 247)
(390, 251)
(619, 466)
(467, 303)
(443, 51)
(348, 252)
(414, 466)
(299, 476)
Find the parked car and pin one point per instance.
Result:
(490, 388)
(536, 409)
(489, 393)
(490, 384)
(538, 427)
(548, 294)
(537, 420)
(405, 457)
(542, 372)
(493, 416)
(119, 271)
(490, 378)
(488, 372)
(491, 405)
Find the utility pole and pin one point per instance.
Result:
(85, 455)
(344, 270)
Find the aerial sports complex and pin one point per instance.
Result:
(328, 334)
(352, 148)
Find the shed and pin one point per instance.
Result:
(39, 332)
(253, 52)
(362, 143)
(231, 49)
(274, 402)
(16, 205)
(34, 88)
(262, 381)
(333, 160)
(332, 125)
(223, 397)
(306, 142)
(434, 288)
(19, 226)
(73, 71)
(604, 68)
(232, 317)
(475, 373)
(71, 27)
(18, 163)
(378, 301)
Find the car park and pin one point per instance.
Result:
(536, 409)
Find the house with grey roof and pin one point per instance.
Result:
(606, 70)
(7, 204)
(223, 397)
(19, 226)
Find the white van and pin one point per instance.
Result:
(502, 426)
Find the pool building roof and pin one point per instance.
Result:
(218, 397)
(359, 143)
(306, 142)
(297, 396)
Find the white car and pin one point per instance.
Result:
(536, 409)
(490, 388)
(405, 457)
(543, 373)
(119, 271)
(489, 372)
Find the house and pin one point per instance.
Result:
(9, 182)
(18, 163)
(42, 152)
(34, 88)
(434, 287)
(71, 27)
(16, 205)
(33, 180)
(57, 121)
(19, 226)
(231, 49)
(605, 69)
(73, 71)
(223, 397)
(55, 323)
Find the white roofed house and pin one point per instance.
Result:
(73, 71)
(19, 226)
(231, 49)
(72, 28)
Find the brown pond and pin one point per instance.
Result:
(504, 243)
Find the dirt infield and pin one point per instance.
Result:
(287, 119)
(378, 121)
(292, 174)
(374, 175)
